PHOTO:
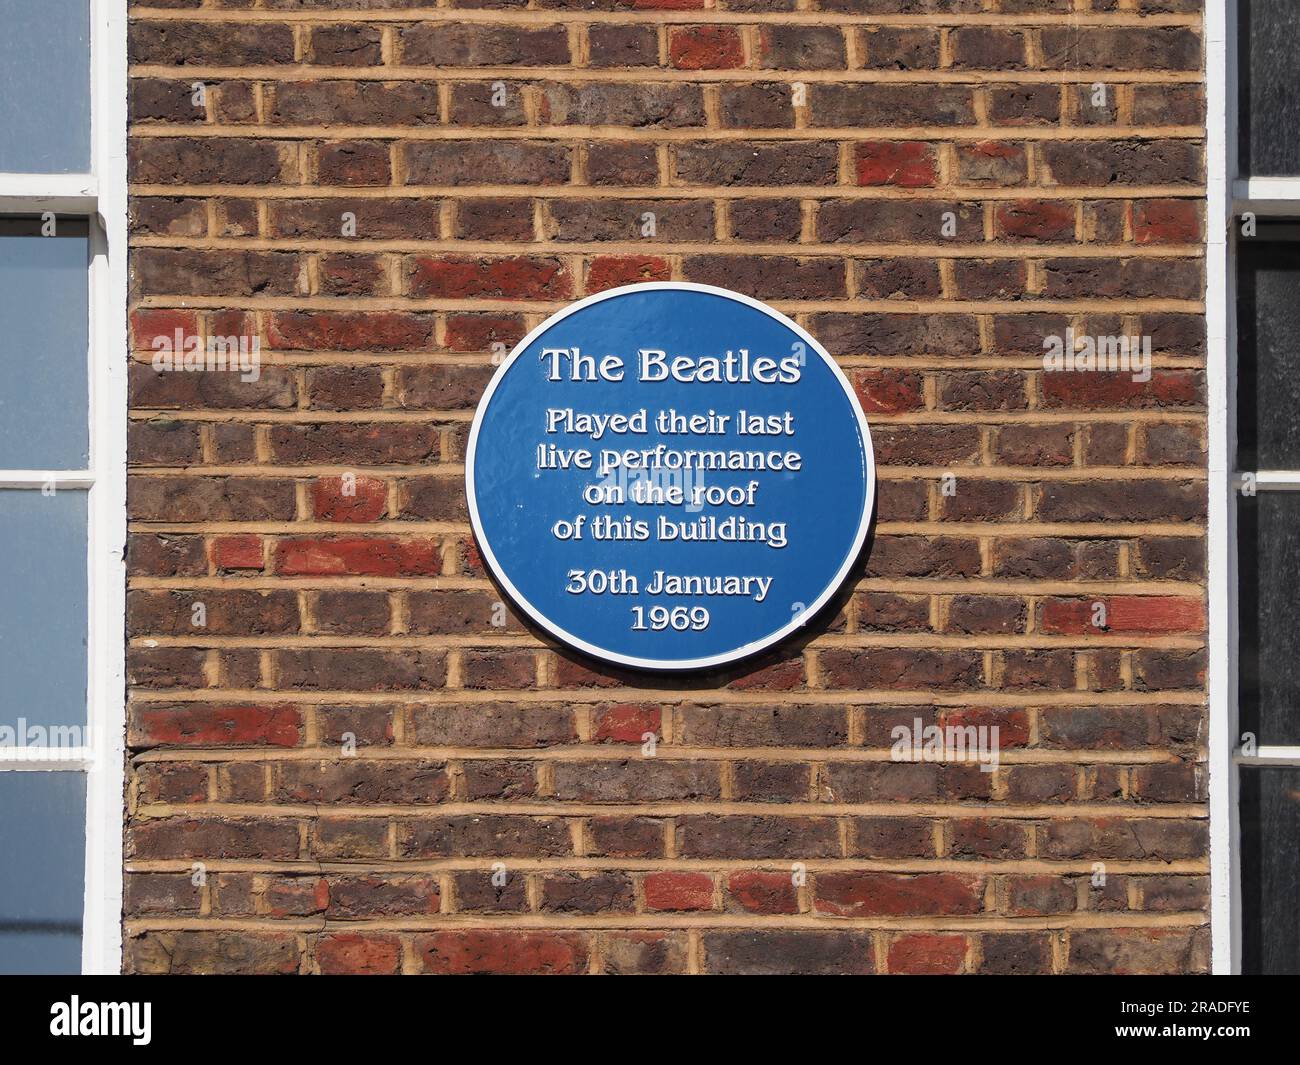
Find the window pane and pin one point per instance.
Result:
(1268, 558)
(43, 840)
(1270, 869)
(43, 623)
(1269, 107)
(1269, 632)
(1268, 334)
(45, 106)
(44, 305)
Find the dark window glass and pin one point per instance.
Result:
(1268, 559)
(1270, 869)
(43, 844)
(1268, 346)
(1268, 91)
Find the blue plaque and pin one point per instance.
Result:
(669, 476)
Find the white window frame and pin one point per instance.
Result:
(1220, 26)
(99, 196)
(1229, 195)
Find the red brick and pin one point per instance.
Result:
(517, 278)
(769, 893)
(678, 891)
(624, 723)
(1081, 390)
(347, 954)
(892, 895)
(1166, 222)
(889, 391)
(201, 725)
(147, 324)
(357, 556)
(237, 552)
(705, 47)
(781, 676)
(909, 164)
(351, 331)
(480, 332)
(1123, 614)
(611, 271)
(927, 954)
(365, 500)
(509, 953)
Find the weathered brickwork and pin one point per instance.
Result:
(352, 758)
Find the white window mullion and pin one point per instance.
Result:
(50, 759)
(1220, 53)
(61, 193)
(1270, 755)
(41, 479)
(1268, 480)
(106, 682)
(1253, 200)
(1267, 197)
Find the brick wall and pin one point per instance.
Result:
(381, 193)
